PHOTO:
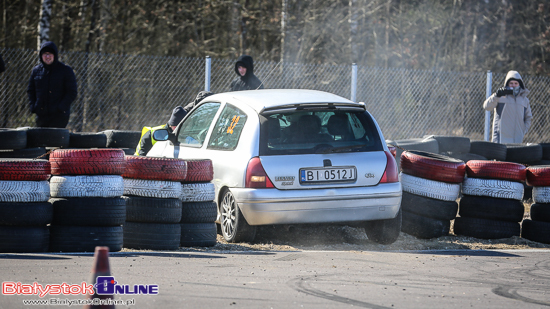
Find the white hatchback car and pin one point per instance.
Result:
(291, 157)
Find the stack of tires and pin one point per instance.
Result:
(431, 186)
(24, 208)
(421, 144)
(87, 140)
(488, 150)
(538, 227)
(125, 140)
(152, 190)
(529, 154)
(27, 142)
(199, 210)
(86, 189)
(491, 205)
(456, 147)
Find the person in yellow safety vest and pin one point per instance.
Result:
(147, 141)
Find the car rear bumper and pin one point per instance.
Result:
(274, 206)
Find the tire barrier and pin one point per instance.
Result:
(493, 187)
(199, 171)
(46, 137)
(87, 162)
(122, 138)
(452, 144)
(152, 188)
(198, 234)
(198, 192)
(24, 169)
(24, 191)
(496, 170)
(432, 166)
(430, 188)
(152, 236)
(538, 175)
(152, 168)
(87, 140)
(485, 228)
(66, 238)
(87, 186)
(13, 139)
(152, 210)
(523, 153)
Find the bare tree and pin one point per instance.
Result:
(44, 23)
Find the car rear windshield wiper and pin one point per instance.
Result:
(340, 149)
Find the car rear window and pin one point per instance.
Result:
(323, 131)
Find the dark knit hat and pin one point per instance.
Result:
(177, 116)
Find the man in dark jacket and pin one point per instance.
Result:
(52, 88)
(246, 79)
(147, 141)
(200, 96)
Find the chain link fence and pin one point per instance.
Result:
(128, 92)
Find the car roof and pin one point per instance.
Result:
(273, 98)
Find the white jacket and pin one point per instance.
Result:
(512, 116)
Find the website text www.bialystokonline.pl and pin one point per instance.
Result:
(78, 302)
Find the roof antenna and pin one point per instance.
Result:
(268, 74)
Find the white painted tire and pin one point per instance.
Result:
(198, 192)
(152, 188)
(24, 191)
(87, 186)
(541, 195)
(493, 188)
(430, 188)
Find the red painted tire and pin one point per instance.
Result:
(433, 166)
(24, 169)
(87, 161)
(199, 171)
(496, 170)
(538, 175)
(153, 168)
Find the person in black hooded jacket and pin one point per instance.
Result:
(52, 88)
(246, 80)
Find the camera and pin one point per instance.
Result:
(508, 90)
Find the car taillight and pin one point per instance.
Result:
(256, 176)
(390, 174)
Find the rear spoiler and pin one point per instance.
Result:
(291, 107)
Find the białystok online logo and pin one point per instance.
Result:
(105, 285)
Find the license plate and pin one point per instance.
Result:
(328, 174)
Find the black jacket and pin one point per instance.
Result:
(249, 81)
(52, 88)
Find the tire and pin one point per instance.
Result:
(234, 225)
(26, 153)
(493, 188)
(13, 139)
(485, 229)
(152, 168)
(424, 227)
(47, 137)
(198, 192)
(152, 210)
(87, 162)
(384, 232)
(26, 214)
(428, 145)
(491, 208)
(87, 186)
(122, 139)
(496, 170)
(523, 153)
(467, 157)
(199, 212)
(87, 140)
(152, 188)
(24, 169)
(452, 144)
(20, 239)
(198, 234)
(536, 231)
(129, 151)
(24, 191)
(430, 188)
(92, 211)
(538, 176)
(540, 212)
(199, 171)
(432, 166)
(541, 195)
(152, 236)
(491, 151)
(85, 238)
(428, 207)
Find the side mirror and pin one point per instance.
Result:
(161, 135)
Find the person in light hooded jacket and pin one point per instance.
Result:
(512, 116)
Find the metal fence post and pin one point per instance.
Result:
(354, 82)
(488, 92)
(207, 73)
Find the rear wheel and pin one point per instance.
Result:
(384, 232)
(233, 224)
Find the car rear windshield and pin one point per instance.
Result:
(313, 132)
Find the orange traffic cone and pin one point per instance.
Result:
(100, 269)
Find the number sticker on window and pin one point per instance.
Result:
(234, 122)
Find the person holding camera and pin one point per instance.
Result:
(513, 115)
